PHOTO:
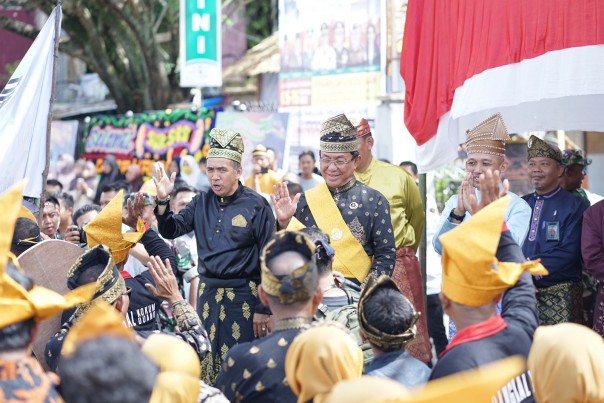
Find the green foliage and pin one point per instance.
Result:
(260, 20)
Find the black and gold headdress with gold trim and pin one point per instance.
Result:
(338, 135)
(300, 284)
(378, 338)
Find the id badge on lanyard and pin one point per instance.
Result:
(552, 230)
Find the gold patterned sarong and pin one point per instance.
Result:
(227, 313)
(560, 303)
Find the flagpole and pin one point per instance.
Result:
(53, 90)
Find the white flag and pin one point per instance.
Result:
(24, 107)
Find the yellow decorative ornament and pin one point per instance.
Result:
(106, 229)
(472, 275)
(16, 303)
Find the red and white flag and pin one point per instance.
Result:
(538, 62)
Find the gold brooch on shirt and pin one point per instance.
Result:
(336, 234)
(354, 205)
(239, 221)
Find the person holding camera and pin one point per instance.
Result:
(263, 178)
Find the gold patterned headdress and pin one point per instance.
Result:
(106, 229)
(100, 320)
(541, 148)
(300, 284)
(382, 340)
(472, 275)
(110, 284)
(338, 135)
(16, 303)
(488, 137)
(225, 144)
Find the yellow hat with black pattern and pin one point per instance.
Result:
(225, 144)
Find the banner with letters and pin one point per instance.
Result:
(148, 137)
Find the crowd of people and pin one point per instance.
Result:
(198, 285)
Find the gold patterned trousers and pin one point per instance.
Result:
(226, 309)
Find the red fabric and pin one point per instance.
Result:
(125, 275)
(447, 42)
(477, 332)
(504, 227)
(408, 276)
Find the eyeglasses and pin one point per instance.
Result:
(339, 163)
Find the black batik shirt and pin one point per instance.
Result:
(230, 231)
(367, 213)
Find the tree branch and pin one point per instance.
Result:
(18, 27)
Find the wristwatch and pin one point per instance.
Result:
(160, 202)
(455, 216)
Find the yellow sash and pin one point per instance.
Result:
(351, 259)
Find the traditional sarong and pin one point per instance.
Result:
(26, 381)
(560, 303)
(226, 309)
(598, 319)
(407, 275)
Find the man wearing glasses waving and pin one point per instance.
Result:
(356, 217)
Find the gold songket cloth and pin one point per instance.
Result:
(566, 364)
(472, 275)
(180, 370)
(321, 357)
(106, 229)
(225, 144)
(376, 337)
(16, 303)
(338, 135)
(488, 137)
(301, 283)
(541, 148)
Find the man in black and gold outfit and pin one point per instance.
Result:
(232, 223)
(255, 371)
(355, 216)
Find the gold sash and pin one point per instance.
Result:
(351, 259)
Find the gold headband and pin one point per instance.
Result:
(380, 339)
(295, 286)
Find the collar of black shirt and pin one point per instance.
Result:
(223, 201)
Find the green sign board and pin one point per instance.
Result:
(200, 43)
